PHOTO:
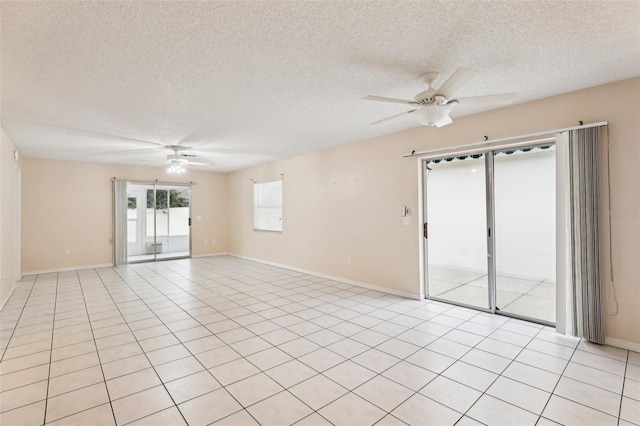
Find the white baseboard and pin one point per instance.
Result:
(332, 277)
(104, 265)
(70, 268)
(224, 253)
(623, 344)
(6, 299)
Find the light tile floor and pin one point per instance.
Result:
(528, 296)
(231, 342)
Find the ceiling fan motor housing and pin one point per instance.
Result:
(430, 97)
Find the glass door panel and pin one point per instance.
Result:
(172, 221)
(525, 232)
(140, 224)
(159, 214)
(456, 243)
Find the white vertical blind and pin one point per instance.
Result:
(267, 206)
(586, 257)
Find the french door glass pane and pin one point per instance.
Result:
(525, 213)
(457, 231)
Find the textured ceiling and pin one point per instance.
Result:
(252, 81)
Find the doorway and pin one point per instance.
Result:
(490, 234)
(158, 222)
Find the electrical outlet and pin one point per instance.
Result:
(67, 252)
(213, 242)
(206, 242)
(348, 261)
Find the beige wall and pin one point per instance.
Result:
(68, 205)
(9, 202)
(345, 201)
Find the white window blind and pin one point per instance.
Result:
(267, 206)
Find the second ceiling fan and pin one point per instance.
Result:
(432, 107)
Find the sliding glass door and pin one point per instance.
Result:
(158, 222)
(489, 233)
(456, 231)
(525, 229)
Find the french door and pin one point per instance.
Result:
(152, 222)
(489, 231)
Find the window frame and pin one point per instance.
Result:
(256, 205)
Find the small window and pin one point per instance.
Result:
(267, 206)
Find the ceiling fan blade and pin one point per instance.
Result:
(149, 150)
(197, 163)
(196, 144)
(393, 116)
(460, 78)
(214, 149)
(476, 101)
(446, 120)
(153, 163)
(392, 100)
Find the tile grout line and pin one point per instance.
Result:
(496, 379)
(96, 346)
(553, 392)
(318, 373)
(624, 382)
(521, 295)
(18, 320)
(482, 368)
(288, 287)
(422, 347)
(55, 302)
(484, 337)
(143, 352)
(399, 360)
(245, 358)
(297, 358)
(241, 357)
(191, 354)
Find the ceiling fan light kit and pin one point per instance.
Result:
(435, 115)
(433, 106)
(176, 168)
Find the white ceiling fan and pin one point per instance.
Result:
(179, 155)
(182, 156)
(179, 159)
(434, 105)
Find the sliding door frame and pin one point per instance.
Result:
(489, 153)
(491, 222)
(155, 185)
